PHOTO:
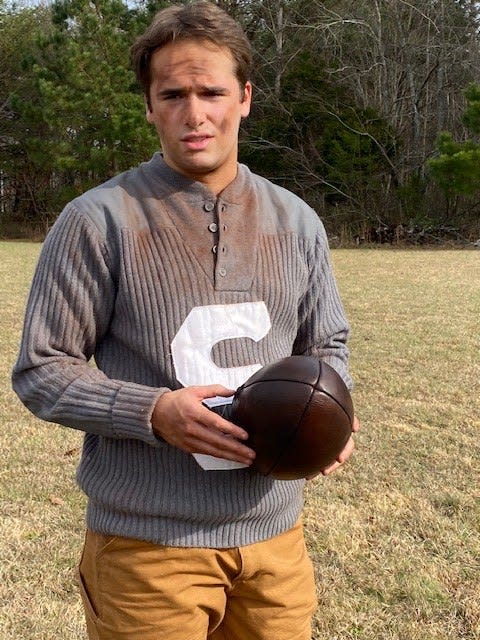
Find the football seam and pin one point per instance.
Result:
(297, 427)
(313, 387)
(336, 402)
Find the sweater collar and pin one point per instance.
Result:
(172, 181)
(228, 254)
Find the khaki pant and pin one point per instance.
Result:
(134, 590)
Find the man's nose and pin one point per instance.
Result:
(195, 114)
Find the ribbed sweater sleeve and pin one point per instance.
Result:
(69, 308)
(323, 330)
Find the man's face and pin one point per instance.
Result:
(196, 105)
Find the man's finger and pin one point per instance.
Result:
(213, 420)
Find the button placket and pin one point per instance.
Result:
(222, 247)
(209, 208)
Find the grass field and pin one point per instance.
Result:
(394, 536)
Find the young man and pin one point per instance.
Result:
(181, 278)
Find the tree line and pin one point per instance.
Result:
(368, 109)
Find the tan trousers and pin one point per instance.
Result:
(134, 590)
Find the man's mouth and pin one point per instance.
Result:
(196, 142)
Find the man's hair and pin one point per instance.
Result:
(201, 20)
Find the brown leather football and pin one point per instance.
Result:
(298, 413)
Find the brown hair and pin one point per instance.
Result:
(201, 20)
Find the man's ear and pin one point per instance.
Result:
(247, 99)
(148, 110)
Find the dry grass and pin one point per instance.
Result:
(41, 511)
(394, 535)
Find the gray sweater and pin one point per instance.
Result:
(161, 284)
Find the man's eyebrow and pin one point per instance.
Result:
(181, 91)
(217, 90)
(172, 92)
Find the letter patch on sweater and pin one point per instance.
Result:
(192, 352)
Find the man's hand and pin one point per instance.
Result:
(344, 455)
(182, 420)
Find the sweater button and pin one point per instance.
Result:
(222, 272)
(209, 206)
(213, 227)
